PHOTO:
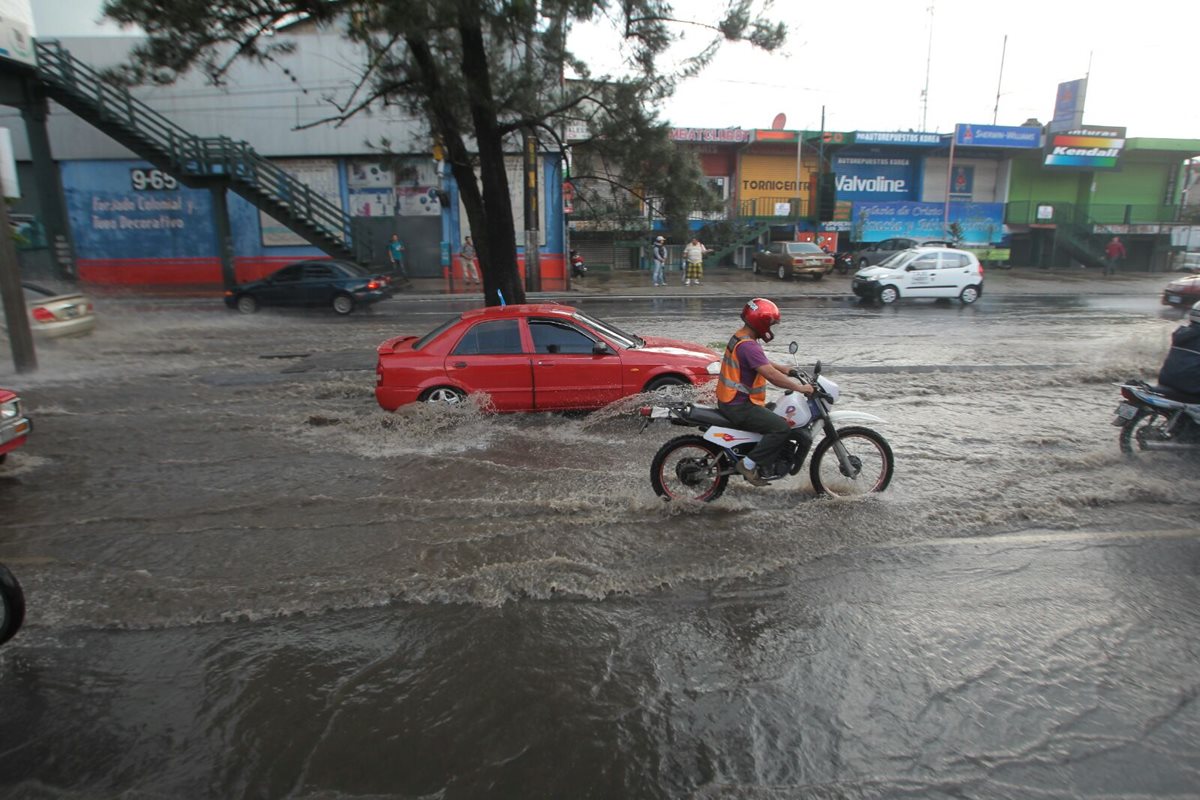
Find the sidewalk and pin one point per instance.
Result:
(723, 281)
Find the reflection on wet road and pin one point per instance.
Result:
(246, 580)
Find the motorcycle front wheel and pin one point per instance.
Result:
(871, 459)
(688, 468)
(1144, 425)
(12, 605)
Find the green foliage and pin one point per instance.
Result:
(483, 72)
(954, 232)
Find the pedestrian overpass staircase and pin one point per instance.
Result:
(743, 234)
(196, 161)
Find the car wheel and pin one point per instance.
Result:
(444, 395)
(889, 295)
(343, 304)
(969, 295)
(667, 387)
(818, 276)
(247, 304)
(784, 273)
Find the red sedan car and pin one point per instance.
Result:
(546, 357)
(1182, 292)
(14, 426)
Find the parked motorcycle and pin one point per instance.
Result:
(844, 263)
(578, 268)
(1153, 418)
(12, 605)
(845, 461)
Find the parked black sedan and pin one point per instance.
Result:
(341, 285)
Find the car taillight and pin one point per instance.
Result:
(373, 285)
(42, 315)
(981, 270)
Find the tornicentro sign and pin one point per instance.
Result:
(1085, 147)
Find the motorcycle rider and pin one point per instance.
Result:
(1181, 369)
(742, 389)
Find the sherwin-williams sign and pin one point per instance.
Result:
(1087, 147)
(874, 178)
(981, 223)
(968, 135)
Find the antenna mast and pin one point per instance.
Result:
(928, 60)
(1000, 80)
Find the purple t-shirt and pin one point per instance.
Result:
(750, 357)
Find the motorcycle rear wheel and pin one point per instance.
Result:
(869, 451)
(688, 468)
(1145, 423)
(12, 605)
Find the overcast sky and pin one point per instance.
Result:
(867, 62)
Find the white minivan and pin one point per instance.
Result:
(922, 272)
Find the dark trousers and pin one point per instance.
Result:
(774, 428)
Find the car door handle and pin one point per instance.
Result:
(459, 364)
(546, 363)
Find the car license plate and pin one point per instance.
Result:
(72, 312)
(1126, 411)
(1174, 298)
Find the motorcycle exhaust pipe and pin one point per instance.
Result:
(1169, 446)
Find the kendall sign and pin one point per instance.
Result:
(1087, 147)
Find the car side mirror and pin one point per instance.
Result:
(601, 349)
(817, 370)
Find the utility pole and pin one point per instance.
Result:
(1000, 80)
(928, 62)
(20, 337)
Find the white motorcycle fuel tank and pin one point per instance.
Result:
(797, 409)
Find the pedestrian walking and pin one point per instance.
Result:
(396, 257)
(470, 265)
(657, 276)
(1114, 251)
(693, 259)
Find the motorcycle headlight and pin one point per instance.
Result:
(713, 368)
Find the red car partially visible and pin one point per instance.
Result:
(14, 426)
(537, 357)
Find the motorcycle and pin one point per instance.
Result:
(846, 461)
(12, 605)
(1154, 418)
(578, 268)
(844, 263)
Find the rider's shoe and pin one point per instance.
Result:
(751, 475)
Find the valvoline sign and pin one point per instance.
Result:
(874, 178)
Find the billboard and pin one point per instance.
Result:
(982, 223)
(1068, 105)
(968, 135)
(1087, 147)
(910, 138)
(16, 31)
(874, 178)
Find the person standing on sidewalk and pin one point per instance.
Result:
(659, 257)
(469, 264)
(396, 257)
(693, 259)
(1114, 251)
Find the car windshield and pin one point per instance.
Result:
(626, 340)
(803, 247)
(897, 260)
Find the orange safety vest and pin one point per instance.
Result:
(729, 384)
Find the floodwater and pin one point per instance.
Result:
(246, 580)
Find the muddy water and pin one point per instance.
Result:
(247, 580)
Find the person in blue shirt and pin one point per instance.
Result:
(396, 256)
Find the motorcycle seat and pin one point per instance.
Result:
(707, 415)
(1176, 395)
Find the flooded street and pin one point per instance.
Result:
(245, 579)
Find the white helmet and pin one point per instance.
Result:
(1194, 314)
(659, 240)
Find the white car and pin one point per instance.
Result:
(922, 272)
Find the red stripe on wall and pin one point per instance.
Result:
(204, 271)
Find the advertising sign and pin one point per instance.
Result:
(968, 135)
(874, 178)
(726, 135)
(16, 31)
(1068, 105)
(898, 137)
(962, 182)
(982, 223)
(1089, 147)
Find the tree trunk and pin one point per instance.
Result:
(497, 241)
